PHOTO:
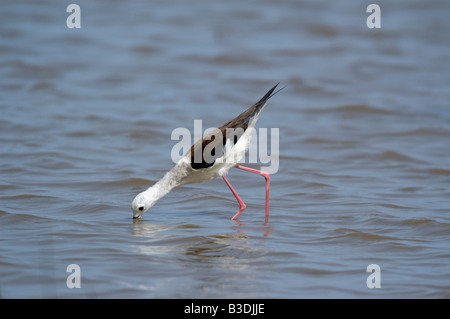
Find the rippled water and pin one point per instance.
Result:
(364, 175)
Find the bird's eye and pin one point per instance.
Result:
(141, 208)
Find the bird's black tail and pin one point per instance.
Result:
(260, 104)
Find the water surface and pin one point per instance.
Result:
(364, 156)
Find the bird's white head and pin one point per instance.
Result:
(143, 202)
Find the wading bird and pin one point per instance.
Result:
(210, 157)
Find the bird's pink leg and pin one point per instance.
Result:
(267, 177)
(241, 203)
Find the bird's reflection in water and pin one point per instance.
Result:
(266, 230)
(195, 243)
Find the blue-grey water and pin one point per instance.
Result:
(86, 116)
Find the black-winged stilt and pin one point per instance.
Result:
(210, 157)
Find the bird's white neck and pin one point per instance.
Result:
(169, 181)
